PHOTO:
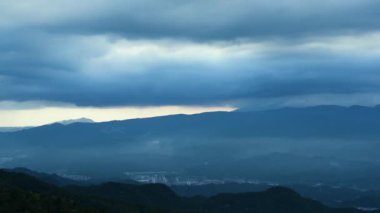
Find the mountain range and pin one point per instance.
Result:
(325, 144)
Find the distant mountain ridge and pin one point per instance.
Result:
(64, 122)
(316, 109)
(13, 129)
(318, 116)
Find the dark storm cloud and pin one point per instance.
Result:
(188, 88)
(74, 52)
(226, 20)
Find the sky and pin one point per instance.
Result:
(139, 58)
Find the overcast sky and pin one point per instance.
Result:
(198, 55)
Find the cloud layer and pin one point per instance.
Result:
(128, 53)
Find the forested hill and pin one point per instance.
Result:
(22, 193)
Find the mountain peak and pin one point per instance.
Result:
(79, 120)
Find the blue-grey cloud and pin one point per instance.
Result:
(105, 53)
